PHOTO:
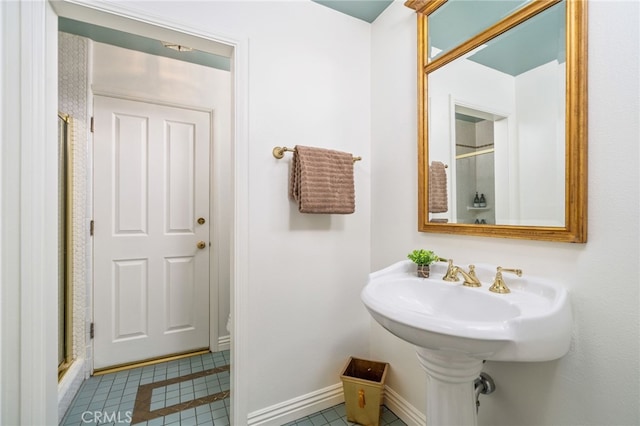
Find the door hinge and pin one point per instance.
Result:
(91, 125)
(91, 331)
(91, 227)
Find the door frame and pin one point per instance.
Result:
(212, 217)
(28, 371)
(28, 226)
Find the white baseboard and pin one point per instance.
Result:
(69, 386)
(401, 408)
(296, 408)
(224, 343)
(314, 402)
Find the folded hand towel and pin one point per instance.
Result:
(438, 202)
(322, 181)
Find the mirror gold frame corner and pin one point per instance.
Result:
(575, 224)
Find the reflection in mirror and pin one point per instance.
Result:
(474, 166)
(514, 128)
(499, 111)
(459, 20)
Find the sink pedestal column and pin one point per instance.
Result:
(451, 398)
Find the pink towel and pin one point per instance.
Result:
(322, 181)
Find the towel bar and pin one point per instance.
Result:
(278, 152)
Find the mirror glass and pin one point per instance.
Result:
(502, 130)
(459, 20)
(497, 120)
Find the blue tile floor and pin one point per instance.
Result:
(188, 391)
(337, 416)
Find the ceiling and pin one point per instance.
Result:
(139, 43)
(367, 10)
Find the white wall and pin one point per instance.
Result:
(311, 86)
(597, 382)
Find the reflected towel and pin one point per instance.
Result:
(438, 202)
(321, 181)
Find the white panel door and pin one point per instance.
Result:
(151, 185)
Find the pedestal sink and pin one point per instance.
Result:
(455, 328)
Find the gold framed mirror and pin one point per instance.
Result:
(502, 118)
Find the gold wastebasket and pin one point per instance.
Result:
(363, 386)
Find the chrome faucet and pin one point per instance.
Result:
(470, 278)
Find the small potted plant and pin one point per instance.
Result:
(423, 258)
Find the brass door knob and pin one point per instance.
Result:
(201, 245)
(201, 220)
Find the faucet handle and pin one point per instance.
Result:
(499, 286)
(472, 271)
(452, 272)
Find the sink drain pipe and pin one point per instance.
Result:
(484, 385)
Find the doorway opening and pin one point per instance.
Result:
(114, 74)
(476, 145)
(140, 26)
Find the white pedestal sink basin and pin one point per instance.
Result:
(455, 328)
